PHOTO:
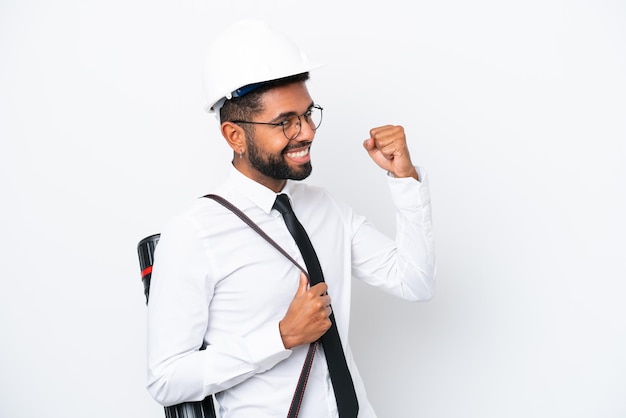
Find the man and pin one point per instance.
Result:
(216, 283)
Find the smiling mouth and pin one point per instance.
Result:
(298, 151)
(298, 154)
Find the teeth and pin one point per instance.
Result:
(298, 154)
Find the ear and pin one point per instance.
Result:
(235, 136)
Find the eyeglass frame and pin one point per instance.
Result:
(282, 124)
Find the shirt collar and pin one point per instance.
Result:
(258, 194)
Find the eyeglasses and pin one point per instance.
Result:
(292, 125)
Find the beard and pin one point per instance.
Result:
(275, 166)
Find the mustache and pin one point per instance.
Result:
(295, 145)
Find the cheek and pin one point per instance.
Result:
(274, 146)
(268, 143)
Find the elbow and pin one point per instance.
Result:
(428, 295)
(158, 384)
(176, 383)
(424, 295)
(165, 391)
(158, 391)
(426, 289)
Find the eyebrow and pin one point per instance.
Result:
(291, 113)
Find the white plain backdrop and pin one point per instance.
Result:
(516, 109)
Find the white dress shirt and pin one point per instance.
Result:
(215, 281)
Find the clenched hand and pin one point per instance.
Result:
(306, 319)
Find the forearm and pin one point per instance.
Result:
(191, 376)
(414, 236)
(404, 266)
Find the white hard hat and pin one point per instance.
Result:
(248, 52)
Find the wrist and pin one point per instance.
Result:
(288, 341)
(412, 172)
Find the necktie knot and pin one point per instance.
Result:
(282, 204)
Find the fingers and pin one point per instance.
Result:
(320, 293)
(303, 285)
(319, 289)
(388, 139)
(388, 148)
(323, 301)
(369, 144)
(327, 311)
(386, 143)
(307, 317)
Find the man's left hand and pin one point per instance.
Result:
(387, 147)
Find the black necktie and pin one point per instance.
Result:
(347, 402)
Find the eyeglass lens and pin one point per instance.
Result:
(293, 125)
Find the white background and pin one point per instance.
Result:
(517, 109)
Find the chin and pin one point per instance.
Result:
(304, 172)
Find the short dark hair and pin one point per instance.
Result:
(249, 105)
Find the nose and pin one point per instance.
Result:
(306, 128)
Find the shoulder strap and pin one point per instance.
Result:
(254, 226)
(296, 401)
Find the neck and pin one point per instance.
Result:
(275, 185)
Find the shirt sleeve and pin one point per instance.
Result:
(178, 315)
(404, 266)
